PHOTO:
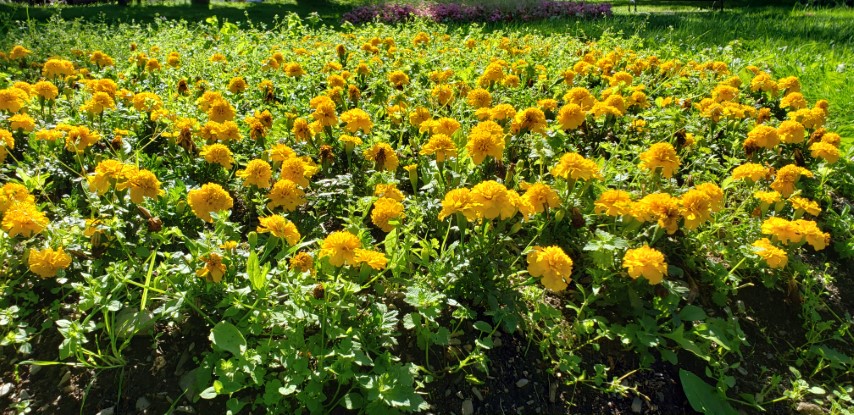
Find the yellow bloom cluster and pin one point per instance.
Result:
(343, 248)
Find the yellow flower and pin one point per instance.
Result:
(209, 198)
(302, 262)
(22, 122)
(213, 270)
(459, 201)
(762, 136)
(573, 166)
(293, 70)
(570, 116)
(479, 98)
(773, 256)
(441, 145)
(19, 52)
(12, 193)
(296, 170)
(47, 262)
(46, 90)
(373, 259)
(540, 196)
(531, 119)
(660, 155)
(419, 116)
(613, 202)
(791, 132)
(57, 68)
(142, 183)
(12, 99)
(340, 247)
(257, 173)
(802, 204)
(350, 142)
(221, 111)
(750, 171)
(768, 198)
(388, 191)
(218, 154)
(237, 85)
(492, 200)
(696, 208)
(279, 227)
(813, 235)
(581, 97)
(287, 194)
(383, 156)
(398, 79)
(645, 262)
(147, 102)
(486, 139)
(793, 100)
(552, 264)
(357, 119)
(23, 218)
(386, 209)
(782, 230)
(502, 112)
(443, 94)
(787, 177)
(714, 193)
(107, 172)
(824, 150)
(662, 207)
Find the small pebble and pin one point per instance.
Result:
(468, 407)
(807, 408)
(460, 394)
(637, 405)
(477, 393)
(64, 379)
(496, 342)
(35, 369)
(5, 389)
(521, 383)
(185, 409)
(553, 392)
(448, 393)
(142, 404)
(107, 411)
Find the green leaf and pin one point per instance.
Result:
(678, 336)
(225, 336)
(482, 326)
(692, 313)
(353, 401)
(257, 275)
(208, 393)
(703, 397)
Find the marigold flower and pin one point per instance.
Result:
(287, 194)
(762, 136)
(662, 207)
(530, 119)
(645, 262)
(12, 193)
(492, 200)
(826, 151)
(660, 155)
(12, 99)
(441, 145)
(443, 94)
(696, 208)
(214, 269)
(218, 154)
(221, 111)
(782, 230)
(802, 204)
(479, 98)
(302, 262)
(540, 196)
(23, 218)
(812, 234)
(22, 122)
(570, 116)
(613, 202)
(552, 264)
(46, 90)
(383, 156)
(486, 139)
(459, 201)
(293, 70)
(502, 112)
(714, 193)
(19, 52)
(573, 166)
(47, 262)
(750, 171)
(142, 183)
(791, 132)
(388, 191)
(340, 248)
(773, 256)
(211, 197)
(374, 259)
(57, 68)
(768, 198)
(147, 102)
(581, 97)
(257, 173)
(80, 138)
(419, 116)
(107, 172)
(386, 209)
(237, 85)
(787, 177)
(398, 79)
(793, 100)
(279, 227)
(357, 119)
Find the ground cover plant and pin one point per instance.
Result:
(295, 218)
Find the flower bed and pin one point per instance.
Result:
(463, 13)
